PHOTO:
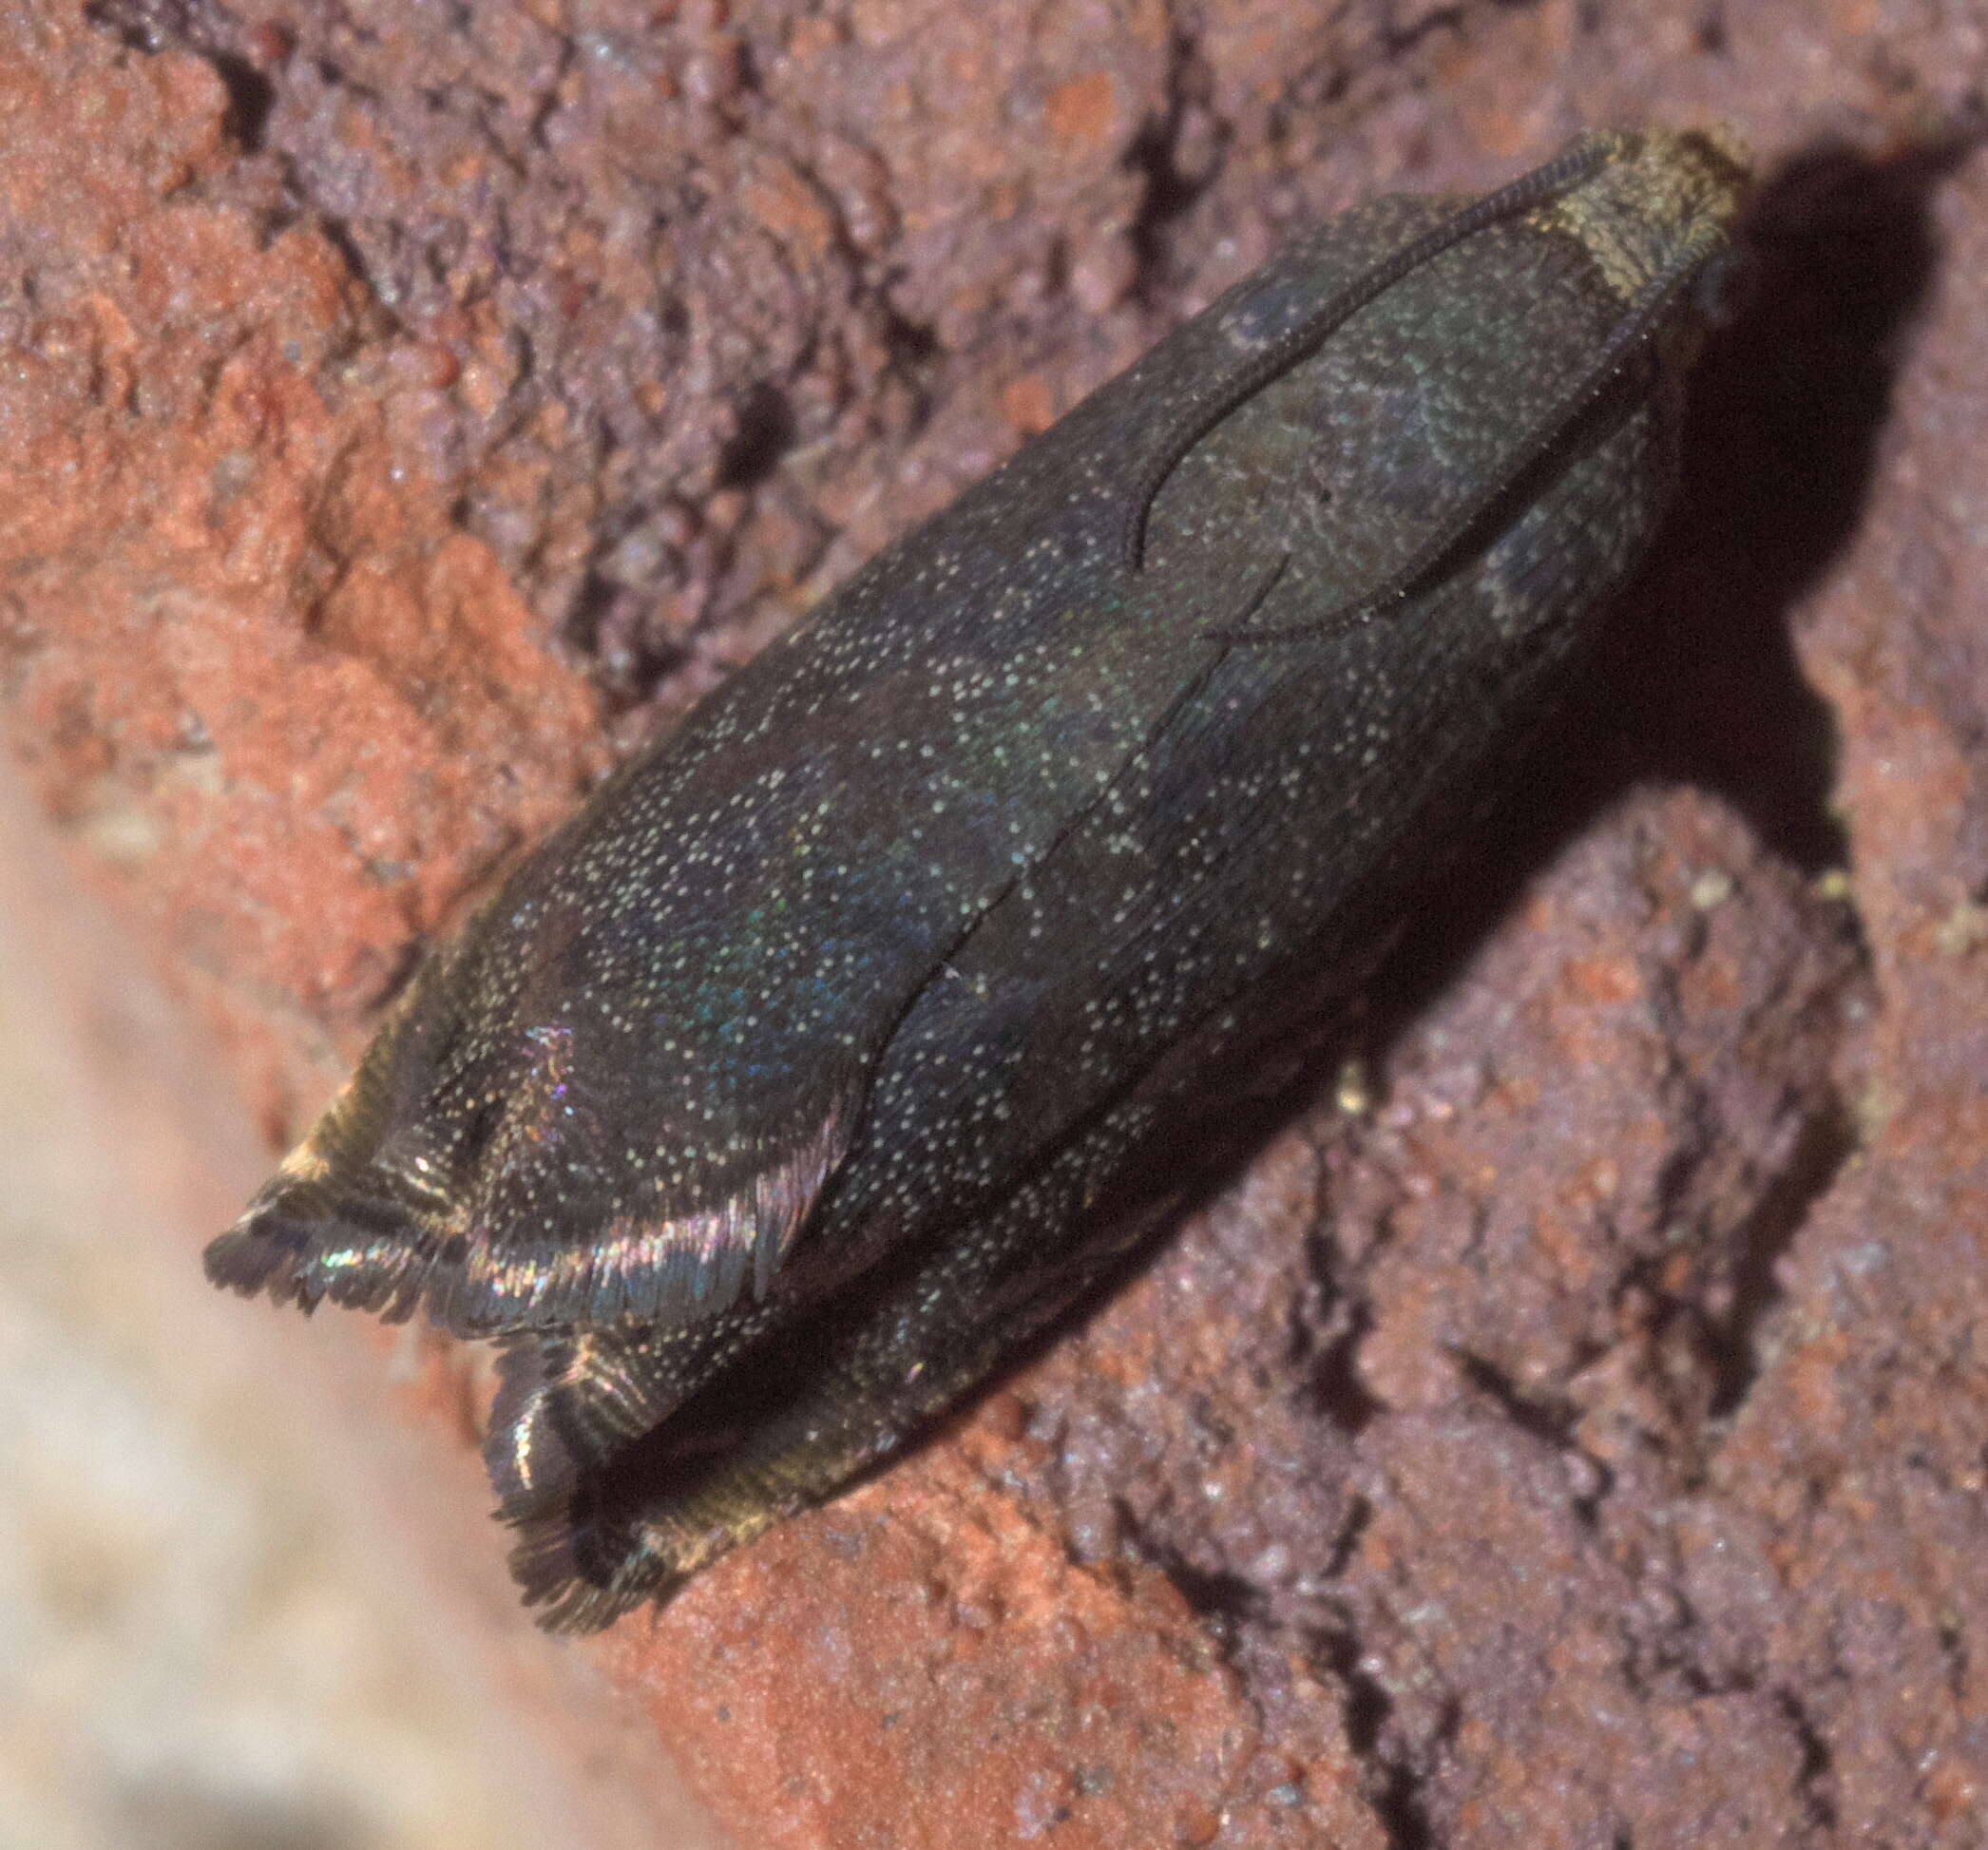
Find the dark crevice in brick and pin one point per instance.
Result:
(1358, 1517)
(1221, 1599)
(1551, 1420)
(205, 31)
(763, 433)
(1395, 1787)
(1170, 190)
(1826, 1142)
(1333, 1377)
(251, 97)
(1224, 1601)
(1397, 41)
(338, 235)
(1816, 1768)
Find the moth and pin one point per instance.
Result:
(844, 1038)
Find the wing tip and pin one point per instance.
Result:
(578, 1575)
(530, 1466)
(302, 1255)
(674, 1267)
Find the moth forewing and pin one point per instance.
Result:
(848, 1036)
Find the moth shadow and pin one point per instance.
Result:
(1697, 680)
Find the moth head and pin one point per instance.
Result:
(1661, 207)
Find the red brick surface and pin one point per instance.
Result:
(1579, 1442)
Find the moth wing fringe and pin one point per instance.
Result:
(564, 1405)
(545, 1562)
(293, 1261)
(304, 1241)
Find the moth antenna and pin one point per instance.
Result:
(1564, 171)
(1649, 308)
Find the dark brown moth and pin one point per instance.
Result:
(836, 1046)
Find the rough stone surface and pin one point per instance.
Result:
(1571, 1431)
(204, 1645)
